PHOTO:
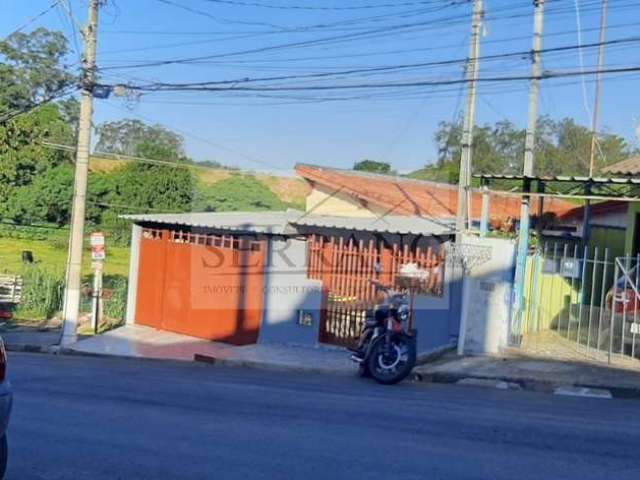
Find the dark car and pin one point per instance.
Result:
(6, 400)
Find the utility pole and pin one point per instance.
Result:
(596, 107)
(586, 230)
(529, 145)
(74, 263)
(473, 69)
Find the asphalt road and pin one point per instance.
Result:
(94, 418)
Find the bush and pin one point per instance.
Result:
(238, 193)
(115, 307)
(42, 293)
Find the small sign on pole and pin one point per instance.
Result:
(98, 249)
(98, 256)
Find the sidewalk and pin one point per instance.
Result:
(136, 341)
(532, 373)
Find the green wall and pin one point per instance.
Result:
(632, 211)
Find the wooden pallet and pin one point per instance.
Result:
(10, 288)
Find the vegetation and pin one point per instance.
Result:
(372, 166)
(240, 192)
(31, 68)
(42, 293)
(51, 255)
(562, 148)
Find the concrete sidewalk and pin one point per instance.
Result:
(510, 371)
(137, 341)
(532, 373)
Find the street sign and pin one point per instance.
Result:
(635, 328)
(98, 249)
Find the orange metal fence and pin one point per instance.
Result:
(346, 268)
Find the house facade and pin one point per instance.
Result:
(303, 277)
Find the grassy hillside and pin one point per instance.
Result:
(52, 256)
(291, 190)
(49, 245)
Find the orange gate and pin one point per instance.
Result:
(206, 286)
(345, 268)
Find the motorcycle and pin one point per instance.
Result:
(386, 351)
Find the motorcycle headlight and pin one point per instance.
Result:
(403, 313)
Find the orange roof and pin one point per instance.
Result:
(600, 208)
(404, 196)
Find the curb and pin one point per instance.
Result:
(529, 384)
(29, 348)
(502, 383)
(275, 367)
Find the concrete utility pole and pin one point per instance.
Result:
(473, 69)
(586, 230)
(74, 263)
(529, 145)
(596, 107)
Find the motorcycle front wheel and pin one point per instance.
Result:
(393, 364)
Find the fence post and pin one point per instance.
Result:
(583, 277)
(613, 308)
(593, 294)
(573, 282)
(562, 263)
(627, 261)
(603, 303)
(635, 309)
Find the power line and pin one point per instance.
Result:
(34, 105)
(190, 134)
(32, 19)
(544, 76)
(330, 8)
(216, 18)
(393, 68)
(361, 35)
(66, 7)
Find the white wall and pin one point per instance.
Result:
(486, 301)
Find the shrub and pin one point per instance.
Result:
(116, 307)
(42, 293)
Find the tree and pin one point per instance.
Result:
(562, 148)
(23, 157)
(135, 138)
(47, 199)
(372, 166)
(31, 68)
(144, 187)
(240, 192)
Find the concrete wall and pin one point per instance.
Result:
(132, 286)
(632, 212)
(287, 292)
(437, 319)
(612, 219)
(488, 291)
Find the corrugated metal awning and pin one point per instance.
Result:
(386, 224)
(276, 223)
(563, 178)
(289, 222)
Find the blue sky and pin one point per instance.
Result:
(338, 128)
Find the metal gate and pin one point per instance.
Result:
(583, 303)
(202, 285)
(346, 268)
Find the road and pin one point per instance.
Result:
(95, 418)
